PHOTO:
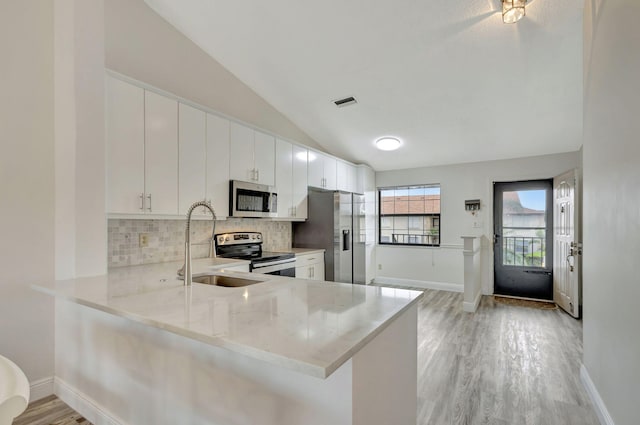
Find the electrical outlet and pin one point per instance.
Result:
(143, 239)
(379, 266)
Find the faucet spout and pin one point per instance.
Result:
(188, 275)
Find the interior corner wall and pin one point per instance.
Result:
(26, 184)
(457, 183)
(611, 212)
(142, 45)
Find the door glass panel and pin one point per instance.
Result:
(524, 228)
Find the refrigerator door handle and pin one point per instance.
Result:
(346, 240)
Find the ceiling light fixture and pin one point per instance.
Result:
(512, 11)
(388, 143)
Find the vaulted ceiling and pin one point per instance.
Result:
(448, 78)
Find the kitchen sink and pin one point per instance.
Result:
(226, 281)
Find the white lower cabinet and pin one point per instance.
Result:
(310, 265)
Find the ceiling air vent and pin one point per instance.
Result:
(345, 102)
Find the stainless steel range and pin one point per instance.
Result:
(248, 246)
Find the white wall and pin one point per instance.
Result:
(142, 45)
(52, 214)
(80, 156)
(457, 183)
(611, 205)
(26, 184)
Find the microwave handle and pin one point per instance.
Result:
(273, 203)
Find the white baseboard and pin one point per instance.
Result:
(40, 389)
(471, 307)
(86, 406)
(422, 284)
(598, 403)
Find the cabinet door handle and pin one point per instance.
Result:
(142, 202)
(149, 198)
(257, 174)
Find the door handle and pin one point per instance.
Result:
(569, 262)
(538, 272)
(345, 240)
(495, 238)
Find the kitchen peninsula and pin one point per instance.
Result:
(281, 351)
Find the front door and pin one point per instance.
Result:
(567, 249)
(523, 239)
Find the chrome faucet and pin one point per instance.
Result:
(186, 269)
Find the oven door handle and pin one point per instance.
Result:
(274, 263)
(274, 268)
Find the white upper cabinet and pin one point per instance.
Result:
(265, 158)
(142, 144)
(252, 155)
(217, 187)
(125, 147)
(241, 165)
(161, 154)
(322, 171)
(299, 187)
(291, 180)
(315, 170)
(284, 178)
(346, 176)
(192, 162)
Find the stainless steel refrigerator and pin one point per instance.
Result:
(336, 223)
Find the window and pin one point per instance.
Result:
(409, 215)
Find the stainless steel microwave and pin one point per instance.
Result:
(252, 200)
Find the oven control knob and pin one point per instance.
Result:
(258, 236)
(220, 239)
(253, 236)
(226, 239)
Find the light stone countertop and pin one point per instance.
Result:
(305, 251)
(308, 326)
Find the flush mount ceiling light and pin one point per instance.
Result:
(512, 11)
(388, 143)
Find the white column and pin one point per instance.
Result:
(472, 293)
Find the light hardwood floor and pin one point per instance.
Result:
(50, 411)
(503, 365)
